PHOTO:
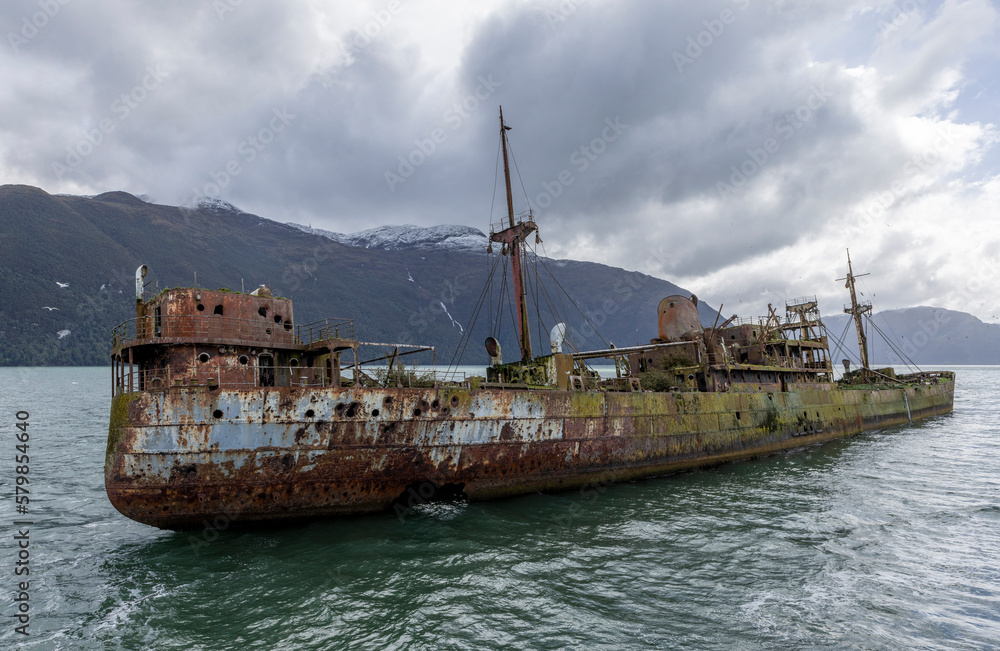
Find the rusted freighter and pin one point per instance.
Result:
(224, 406)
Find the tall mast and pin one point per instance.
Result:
(857, 310)
(506, 169)
(513, 238)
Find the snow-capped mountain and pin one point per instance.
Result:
(217, 205)
(383, 238)
(398, 238)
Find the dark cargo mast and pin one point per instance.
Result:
(513, 240)
(857, 310)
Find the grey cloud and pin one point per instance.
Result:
(560, 77)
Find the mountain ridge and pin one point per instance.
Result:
(925, 334)
(67, 268)
(423, 295)
(408, 236)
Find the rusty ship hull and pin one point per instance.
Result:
(180, 457)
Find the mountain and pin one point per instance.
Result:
(404, 238)
(927, 335)
(67, 277)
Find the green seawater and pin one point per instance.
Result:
(889, 540)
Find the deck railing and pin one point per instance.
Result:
(192, 377)
(208, 328)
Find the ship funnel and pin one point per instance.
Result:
(678, 319)
(140, 273)
(556, 337)
(493, 350)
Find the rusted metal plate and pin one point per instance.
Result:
(173, 462)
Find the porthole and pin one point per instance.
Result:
(277, 318)
(244, 360)
(375, 412)
(310, 413)
(262, 311)
(218, 310)
(204, 357)
(217, 413)
(294, 362)
(201, 308)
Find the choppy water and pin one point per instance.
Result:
(890, 540)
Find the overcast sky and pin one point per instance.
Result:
(736, 147)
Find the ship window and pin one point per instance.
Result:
(277, 318)
(217, 413)
(218, 309)
(204, 357)
(265, 370)
(244, 360)
(293, 362)
(201, 308)
(262, 311)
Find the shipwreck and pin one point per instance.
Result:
(223, 404)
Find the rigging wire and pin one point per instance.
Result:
(571, 300)
(887, 325)
(510, 150)
(496, 175)
(841, 342)
(467, 335)
(500, 301)
(538, 313)
(900, 353)
(557, 316)
(564, 313)
(490, 286)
